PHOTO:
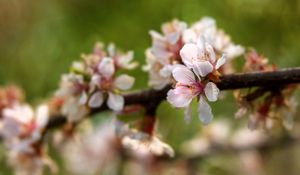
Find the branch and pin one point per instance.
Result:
(152, 97)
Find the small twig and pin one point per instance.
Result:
(151, 98)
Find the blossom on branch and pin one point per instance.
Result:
(201, 64)
(93, 81)
(22, 129)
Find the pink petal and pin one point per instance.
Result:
(204, 110)
(183, 75)
(180, 98)
(211, 91)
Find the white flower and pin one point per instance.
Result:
(206, 29)
(201, 58)
(188, 87)
(104, 80)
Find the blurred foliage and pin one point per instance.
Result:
(39, 39)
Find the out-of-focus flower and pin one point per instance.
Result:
(22, 129)
(96, 151)
(9, 96)
(93, 81)
(256, 62)
(200, 62)
(206, 29)
(141, 144)
(214, 135)
(164, 53)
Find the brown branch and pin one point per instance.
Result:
(151, 98)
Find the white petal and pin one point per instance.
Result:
(173, 37)
(183, 75)
(179, 99)
(95, 81)
(204, 110)
(96, 100)
(220, 62)
(189, 36)
(111, 49)
(189, 53)
(202, 68)
(188, 114)
(106, 67)
(211, 52)
(124, 82)
(83, 98)
(115, 102)
(211, 91)
(42, 116)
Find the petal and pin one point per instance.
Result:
(211, 91)
(220, 62)
(172, 38)
(111, 49)
(189, 53)
(188, 114)
(189, 36)
(42, 116)
(204, 110)
(96, 80)
(83, 98)
(96, 100)
(124, 82)
(106, 67)
(179, 98)
(183, 75)
(211, 53)
(202, 68)
(115, 102)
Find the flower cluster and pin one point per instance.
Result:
(21, 130)
(165, 50)
(271, 107)
(93, 81)
(194, 79)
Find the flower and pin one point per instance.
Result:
(188, 87)
(164, 53)
(142, 144)
(92, 81)
(206, 29)
(97, 150)
(22, 129)
(201, 58)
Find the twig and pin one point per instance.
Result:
(151, 98)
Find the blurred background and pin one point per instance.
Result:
(39, 39)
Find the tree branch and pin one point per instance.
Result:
(152, 97)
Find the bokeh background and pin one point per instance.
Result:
(40, 38)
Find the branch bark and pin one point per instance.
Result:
(150, 97)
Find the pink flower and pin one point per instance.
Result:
(188, 87)
(201, 58)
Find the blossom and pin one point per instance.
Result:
(188, 87)
(164, 53)
(142, 144)
(22, 129)
(93, 81)
(206, 29)
(95, 150)
(201, 58)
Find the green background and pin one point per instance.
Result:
(40, 38)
